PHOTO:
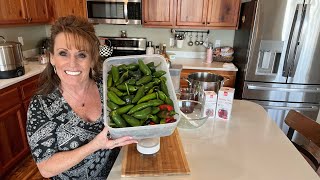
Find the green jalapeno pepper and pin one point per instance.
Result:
(128, 99)
(155, 102)
(115, 73)
(131, 120)
(117, 119)
(162, 95)
(140, 93)
(114, 98)
(169, 101)
(164, 88)
(112, 105)
(122, 67)
(142, 114)
(131, 81)
(144, 80)
(133, 67)
(155, 110)
(153, 118)
(144, 68)
(138, 107)
(109, 81)
(156, 81)
(117, 91)
(148, 97)
(124, 109)
(123, 77)
(159, 73)
(151, 66)
(148, 86)
(131, 88)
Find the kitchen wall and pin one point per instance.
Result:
(162, 35)
(31, 35)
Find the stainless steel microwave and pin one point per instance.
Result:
(114, 11)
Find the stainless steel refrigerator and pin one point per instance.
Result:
(277, 51)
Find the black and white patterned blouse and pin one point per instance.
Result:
(52, 127)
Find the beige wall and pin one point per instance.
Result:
(162, 35)
(31, 35)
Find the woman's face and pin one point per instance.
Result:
(72, 65)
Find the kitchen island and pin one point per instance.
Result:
(249, 146)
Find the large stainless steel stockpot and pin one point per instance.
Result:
(11, 59)
(205, 81)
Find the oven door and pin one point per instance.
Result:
(114, 11)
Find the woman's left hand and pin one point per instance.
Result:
(101, 141)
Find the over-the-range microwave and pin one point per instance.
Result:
(114, 11)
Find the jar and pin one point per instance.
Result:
(150, 49)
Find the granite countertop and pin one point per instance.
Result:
(31, 69)
(198, 63)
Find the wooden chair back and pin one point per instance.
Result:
(308, 128)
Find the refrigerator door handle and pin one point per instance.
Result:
(267, 88)
(292, 41)
(311, 108)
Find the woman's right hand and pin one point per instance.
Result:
(101, 141)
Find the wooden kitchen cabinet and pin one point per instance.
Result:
(158, 13)
(208, 13)
(13, 116)
(23, 12)
(60, 8)
(200, 14)
(231, 75)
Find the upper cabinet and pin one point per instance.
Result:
(23, 12)
(205, 14)
(158, 12)
(59, 8)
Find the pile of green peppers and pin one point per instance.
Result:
(137, 95)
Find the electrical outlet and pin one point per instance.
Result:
(217, 43)
(171, 42)
(20, 39)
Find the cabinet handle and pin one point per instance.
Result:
(30, 19)
(203, 23)
(208, 23)
(26, 19)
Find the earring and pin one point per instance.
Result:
(54, 69)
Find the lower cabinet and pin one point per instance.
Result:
(13, 116)
(230, 76)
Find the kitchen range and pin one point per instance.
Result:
(277, 53)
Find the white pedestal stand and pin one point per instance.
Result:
(149, 145)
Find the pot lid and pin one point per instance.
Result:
(4, 43)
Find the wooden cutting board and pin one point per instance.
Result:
(169, 160)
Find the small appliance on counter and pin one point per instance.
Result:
(126, 46)
(11, 59)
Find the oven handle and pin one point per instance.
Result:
(311, 108)
(126, 11)
(311, 90)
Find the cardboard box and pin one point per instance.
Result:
(210, 102)
(224, 103)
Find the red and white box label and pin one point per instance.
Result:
(210, 102)
(224, 103)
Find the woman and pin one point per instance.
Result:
(65, 126)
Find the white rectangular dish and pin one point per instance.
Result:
(140, 132)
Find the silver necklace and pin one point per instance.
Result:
(85, 95)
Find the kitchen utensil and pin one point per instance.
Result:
(190, 43)
(197, 43)
(11, 59)
(186, 94)
(193, 114)
(201, 41)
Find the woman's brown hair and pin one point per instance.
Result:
(83, 34)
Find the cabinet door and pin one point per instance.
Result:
(191, 12)
(60, 8)
(37, 11)
(12, 12)
(158, 12)
(223, 13)
(12, 137)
